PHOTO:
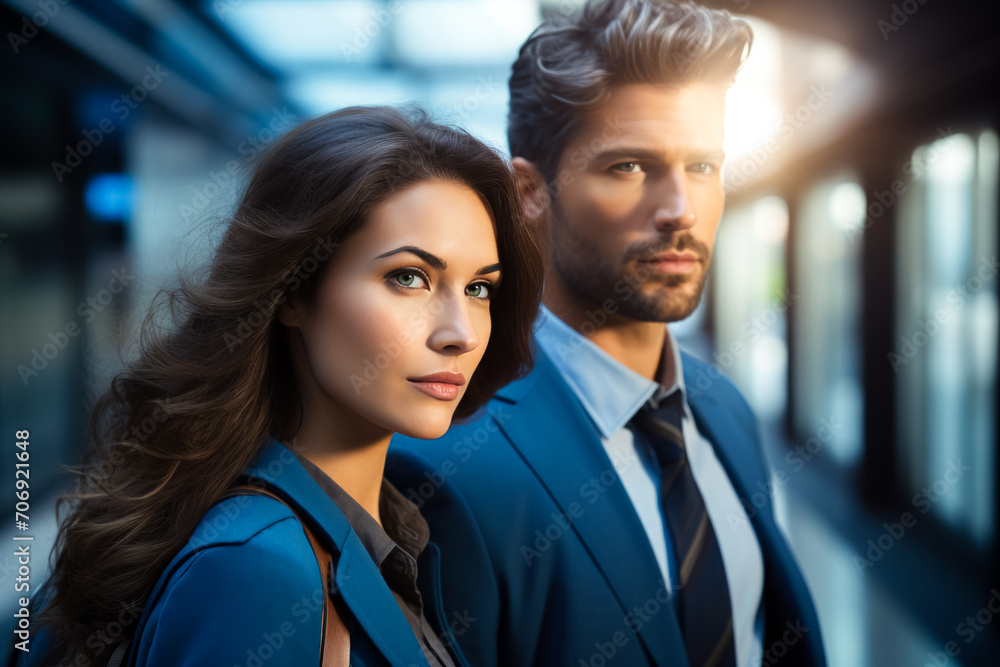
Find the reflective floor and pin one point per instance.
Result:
(862, 625)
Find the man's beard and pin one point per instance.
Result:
(586, 269)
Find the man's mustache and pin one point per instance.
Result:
(683, 243)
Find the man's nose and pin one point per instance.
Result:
(673, 205)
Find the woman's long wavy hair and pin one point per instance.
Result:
(181, 422)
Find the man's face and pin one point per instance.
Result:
(636, 222)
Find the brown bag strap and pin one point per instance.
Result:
(335, 642)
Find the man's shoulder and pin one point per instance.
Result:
(483, 432)
(469, 453)
(477, 458)
(707, 381)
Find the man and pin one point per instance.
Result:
(593, 515)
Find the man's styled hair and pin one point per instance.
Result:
(569, 64)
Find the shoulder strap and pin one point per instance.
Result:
(335, 643)
(120, 652)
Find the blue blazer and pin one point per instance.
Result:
(246, 590)
(543, 559)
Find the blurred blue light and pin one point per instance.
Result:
(108, 197)
(95, 105)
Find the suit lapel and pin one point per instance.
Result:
(357, 578)
(554, 436)
(735, 448)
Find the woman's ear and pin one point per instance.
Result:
(531, 190)
(290, 312)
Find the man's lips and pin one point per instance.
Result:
(672, 262)
(443, 386)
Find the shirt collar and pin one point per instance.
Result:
(402, 524)
(395, 545)
(610, 392)
(662, 390)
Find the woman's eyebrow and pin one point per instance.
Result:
(433, 260)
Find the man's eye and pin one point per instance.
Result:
(702, 168)
(627, 167)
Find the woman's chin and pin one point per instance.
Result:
(430, 430)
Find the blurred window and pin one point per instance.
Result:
(827, 368)
(946, 331)
(751, 301)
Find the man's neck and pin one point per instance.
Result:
(634, 344)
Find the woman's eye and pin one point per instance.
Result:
(410, 279)
(479, 290)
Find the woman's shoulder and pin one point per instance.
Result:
(242, 519)
(249, 535)
(247, 573)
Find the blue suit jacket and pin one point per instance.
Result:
(246, 588)
(543, 558)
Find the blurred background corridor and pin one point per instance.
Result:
(853, 297)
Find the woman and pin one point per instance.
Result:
(352, 296)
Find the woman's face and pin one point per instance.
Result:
(402, 316)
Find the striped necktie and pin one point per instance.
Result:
(704, 609)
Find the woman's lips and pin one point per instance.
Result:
(442, 386)
(439, 390)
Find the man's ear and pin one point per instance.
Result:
(531, 189)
